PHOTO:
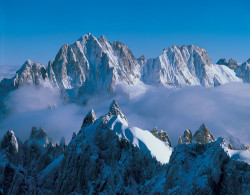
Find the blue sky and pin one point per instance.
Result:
(37, 29)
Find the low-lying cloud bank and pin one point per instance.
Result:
(7, 71)
(225, 110)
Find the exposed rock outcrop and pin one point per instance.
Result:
(206, 169)
(162, 135)
(89, 119)
(203, 135)
(232, 64)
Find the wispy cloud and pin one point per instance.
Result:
(225, 110)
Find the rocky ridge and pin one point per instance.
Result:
(109, 156)
(92, 65)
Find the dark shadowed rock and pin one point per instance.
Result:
(10, 142)
(222, 61)
(89, 119)
(232, 64)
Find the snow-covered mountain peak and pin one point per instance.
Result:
(92, 65)
(87, 36)
(103, 39)
(117, 123)
(222, 61)
(29, 64)
(30, 73)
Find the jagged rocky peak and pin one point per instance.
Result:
(179, 140)
(155, 131)
(89, 119)
(30, 73)
(230, 146)
(50, 63)
(38, 133)
(222, 61)
(203, 135)
(103, 38)
(230, 64)
(186, 138)
(243, 71)
(10, 142)
(209, 168)
(29, 64)
(142, 58)
(87, 36)
(142, 61)
(114, 109)
(162, 135)
(40, 137)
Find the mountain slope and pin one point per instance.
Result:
(107, 156)
(206, 169)
(92, 65)
(188, 65)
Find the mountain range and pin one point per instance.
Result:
(109, 156)
(92, 65)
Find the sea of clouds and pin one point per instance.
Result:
(7, 71)
(225, 110)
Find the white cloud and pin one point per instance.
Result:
(225, 110)
(31, 98)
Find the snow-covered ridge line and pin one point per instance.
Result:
(91, 65)
(107, 152)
